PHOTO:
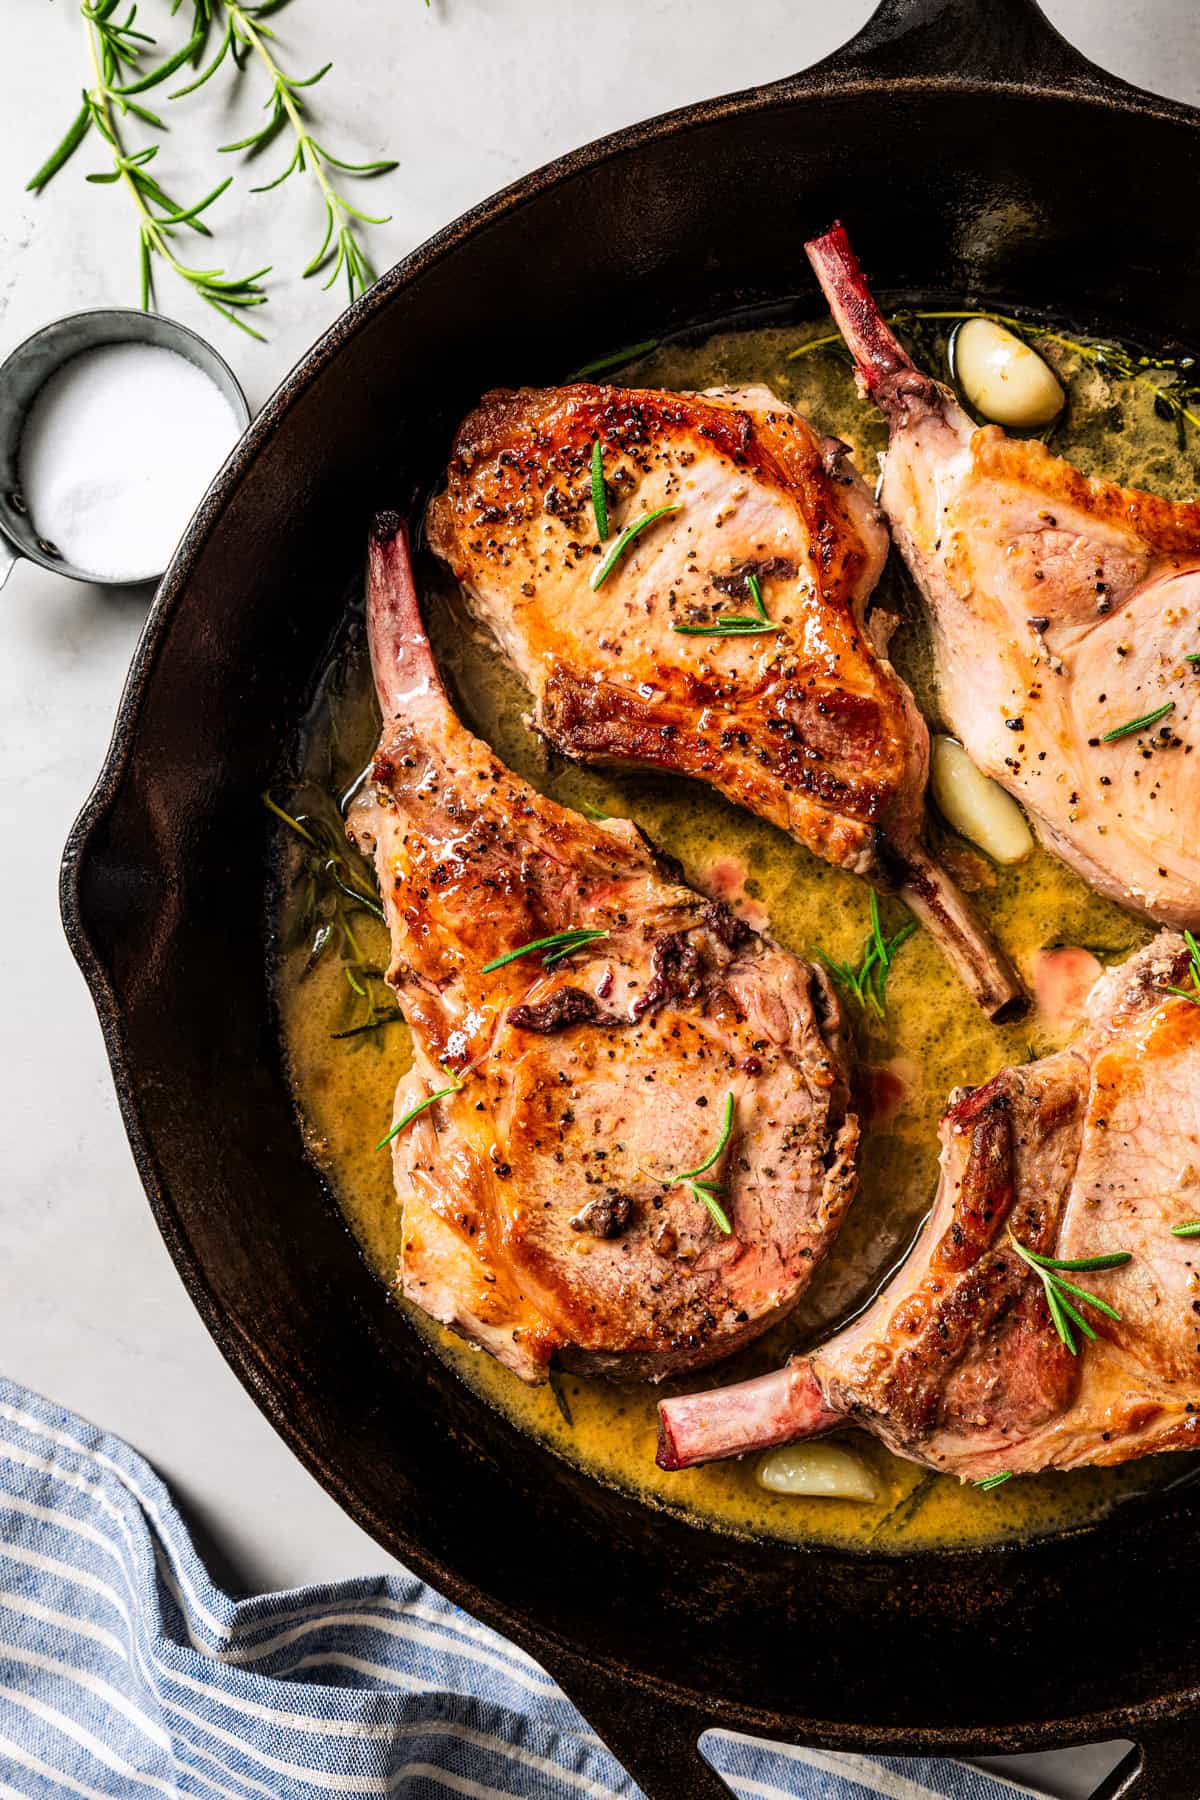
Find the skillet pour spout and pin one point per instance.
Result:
(966, 145)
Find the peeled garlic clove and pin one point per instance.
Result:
(976, 806)
(824, 1470)
(1002, 377)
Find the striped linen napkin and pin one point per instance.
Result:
(125, 1672)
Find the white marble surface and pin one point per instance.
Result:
(468, 95)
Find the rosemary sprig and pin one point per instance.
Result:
(599, 497)
(414, 1112)
(1193, 970)
(246, 34)
(1147, 719)
(118, 47)
(868, 983)
(706, 1192)
(554, 1376)
(337, 885)
(731, 625)
(558, 945)
(115, 50)
(627, 537)
(1191, 1229)
(756, 624)
(902, 1513)
(993, 1481)
(1062, 1313)
(615, 359)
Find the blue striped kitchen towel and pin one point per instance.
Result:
(125, 1672)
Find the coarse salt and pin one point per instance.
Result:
(118, 448)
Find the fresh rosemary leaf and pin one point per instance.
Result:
(706, 1192)
(192, 213)
(162, 70)
(1193, 656)
(593, 812)
(903, 1512)
(1101, 1306)
(557, 945)
(382, 166)
(353, 983)
(287, 819)
(1191, 1229)
(352, 891)
(754, 624)
(1075, 1317)
(1063, 1314)
(1192, 994)
(993, 1481)
(615, 359)
(728, 627)
(1115, 1260)
(208, 73)
(723, 1139)
(1059, 1319)
(868, 983)
(627, 537)
(707, 1196)
(387, 1018)
(337, 889)
(75, 134)
(1146, 720)
(599, 498)
(414, 1112)
(832, 339)
(553, 1378)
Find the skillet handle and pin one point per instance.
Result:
(1163, 1765)
(1010, 42)
(652, 1731)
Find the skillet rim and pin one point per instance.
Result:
(1087, 86)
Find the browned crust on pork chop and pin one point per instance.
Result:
(541, 1210)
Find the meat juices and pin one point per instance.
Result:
(541, 1214)
(1063, 609)
(807, 724)
(957, 1364)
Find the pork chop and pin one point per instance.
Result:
(726, 639)
(544, 1212)
(1091, 1153)
(1064, 611)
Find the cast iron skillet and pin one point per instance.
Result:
(971, 151)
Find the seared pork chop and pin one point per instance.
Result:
(794, 710)
(1093, 1152)
(543, 1212)
(1063, 609)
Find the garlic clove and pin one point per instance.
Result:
(977, 807)
(825, 1471)
(1002, 377)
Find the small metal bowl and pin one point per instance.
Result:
(23, 376)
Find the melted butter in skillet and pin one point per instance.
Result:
(933, 1040)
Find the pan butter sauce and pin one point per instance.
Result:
(932, 1040)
